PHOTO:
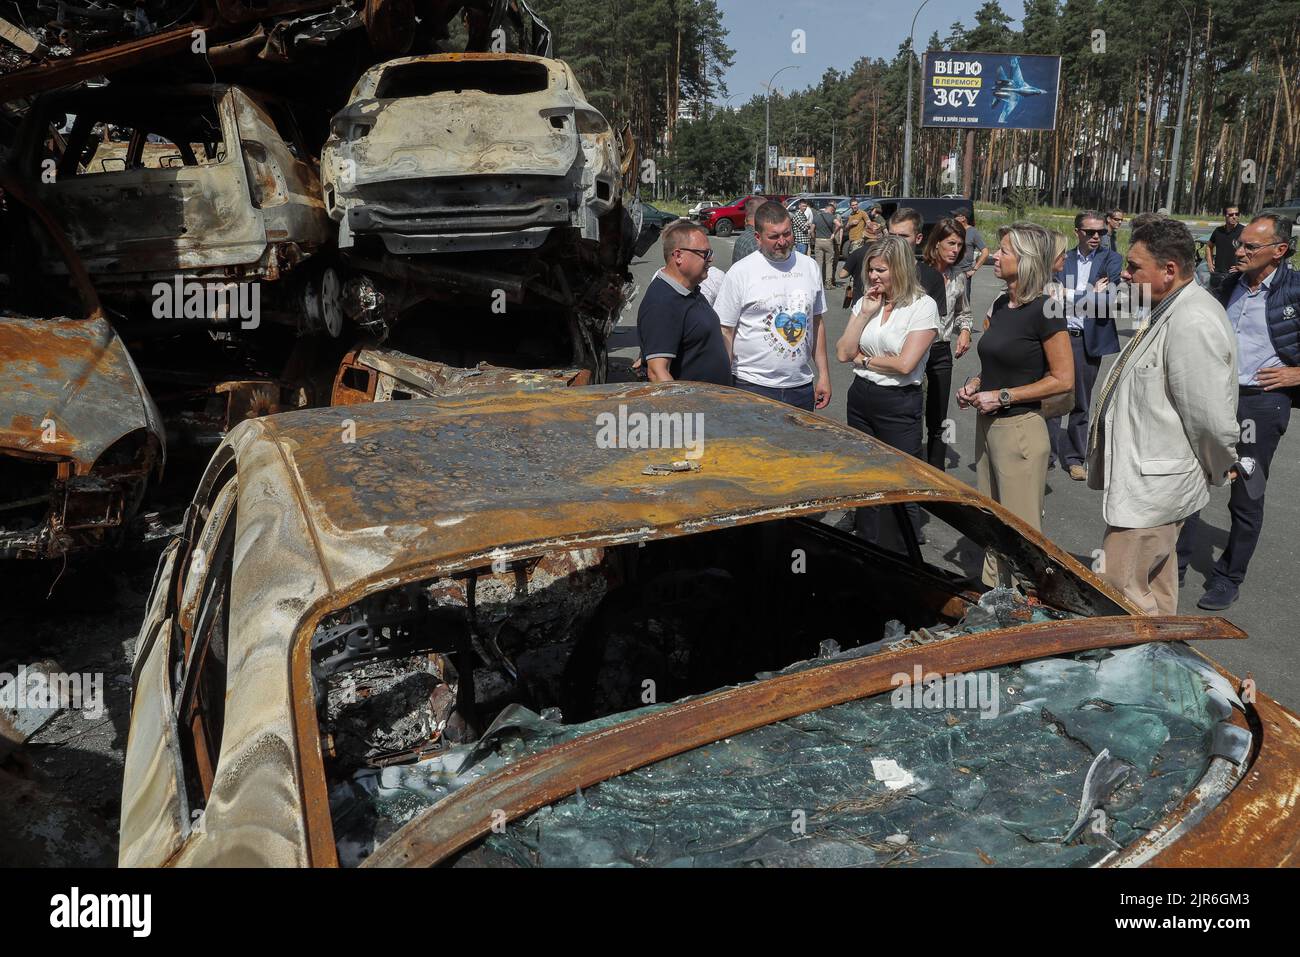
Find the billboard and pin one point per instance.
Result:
(805, 166)
(989, 91)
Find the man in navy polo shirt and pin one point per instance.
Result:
(679, 331)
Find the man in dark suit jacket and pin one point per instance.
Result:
(1090, 276)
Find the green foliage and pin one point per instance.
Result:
(626, 54)
(711, 157)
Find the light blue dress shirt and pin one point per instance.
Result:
(1246, 311)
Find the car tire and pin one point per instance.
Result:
(724, 227)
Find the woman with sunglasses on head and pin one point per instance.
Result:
(1025, 357)
(943, 251)
(887, 340)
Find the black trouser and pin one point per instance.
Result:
(1269, 412)
(892, 414)
(938, 385)
(1070, 443)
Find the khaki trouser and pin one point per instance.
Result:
(1141, 562)
(1011, 468)
(826, 259)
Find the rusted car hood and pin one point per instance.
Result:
(76, 374)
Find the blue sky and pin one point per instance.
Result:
(837, 33)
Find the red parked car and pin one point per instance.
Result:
(725, 220)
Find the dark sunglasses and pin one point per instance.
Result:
(705, 254)
(1092, 232)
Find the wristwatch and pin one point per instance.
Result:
(1005, 398)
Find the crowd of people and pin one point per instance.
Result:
(1200, 394)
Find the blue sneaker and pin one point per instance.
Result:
(1219, 594)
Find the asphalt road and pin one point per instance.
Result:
(1269, 601)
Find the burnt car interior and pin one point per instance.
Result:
(407, 678)
(425, 78)
(428, 687)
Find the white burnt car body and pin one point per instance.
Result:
(469, 152)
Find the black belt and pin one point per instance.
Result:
(1292, 392)
(1075, 332)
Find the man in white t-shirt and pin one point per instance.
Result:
(771, 309)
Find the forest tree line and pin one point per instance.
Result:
(640, 59)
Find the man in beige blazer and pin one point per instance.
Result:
(1164, 425)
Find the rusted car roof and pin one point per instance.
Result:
(77, 374)
(466, 476)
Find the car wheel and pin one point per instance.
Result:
(724, 227)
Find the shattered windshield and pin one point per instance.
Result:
(1057, 762)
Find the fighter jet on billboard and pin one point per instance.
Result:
(990, 91)
(1010, 90)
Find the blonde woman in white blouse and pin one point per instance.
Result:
(888, 339)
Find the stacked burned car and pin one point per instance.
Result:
(459, 224)
(488, 180)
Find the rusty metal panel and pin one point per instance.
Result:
(389, 373)
(1258, 823)
(71, 390)
(468, 814)
(255, 811)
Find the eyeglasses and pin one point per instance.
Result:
(705, 254)
(1252, 247)
(1092, 232)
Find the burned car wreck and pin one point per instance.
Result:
(168, 194)
(174, 152)
(469, 632)
(485, 180)
(80, 437)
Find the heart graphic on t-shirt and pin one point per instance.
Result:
(791, 326)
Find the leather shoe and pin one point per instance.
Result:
(1218, 595)
(1078, 473)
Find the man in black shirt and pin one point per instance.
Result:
(906, 224)
(679, 331)
(1220, 254)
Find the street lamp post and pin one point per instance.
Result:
(907, 132)
(1182, 103)
(767, 126)
(820, 109)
